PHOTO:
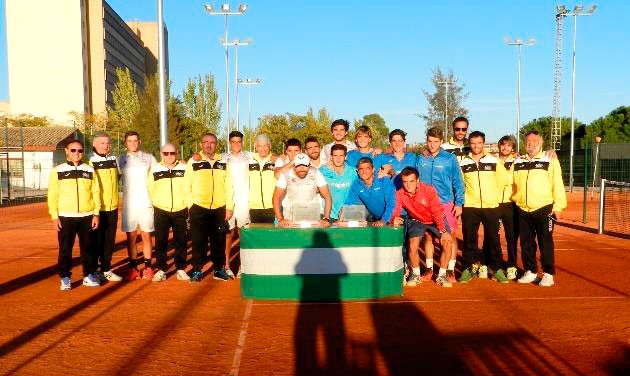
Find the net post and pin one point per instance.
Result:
(600, 228)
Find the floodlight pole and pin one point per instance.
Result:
(249, 82)
(236, 43)
(446, 83)
(162, 75)
(519, 43)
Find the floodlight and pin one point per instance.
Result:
(532, 41)
(507, 40)
(242, 8)
(561, 9)
(518, 41)
(225, 7)
(208, 8)
(592, 8)
(578, 9)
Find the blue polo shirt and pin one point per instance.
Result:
(379, 198)
(339, 186)
(408, 160)
(443, 172)
(354, 155)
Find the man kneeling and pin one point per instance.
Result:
(425, 216)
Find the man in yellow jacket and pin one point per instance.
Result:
(168, 195)
(209, 191)
(540, 197)
(104, 238)
(262, 182)
(73, 204)
(484, 177)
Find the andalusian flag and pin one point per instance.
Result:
(321, 264)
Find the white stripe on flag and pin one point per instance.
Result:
(342, 260)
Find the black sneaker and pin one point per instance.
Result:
(196, 277)
(220, 275)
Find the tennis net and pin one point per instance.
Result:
(614, 208)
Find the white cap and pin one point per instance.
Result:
(301, 159)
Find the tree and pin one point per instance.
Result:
(380, 132)
(201, 104)
(146, 122)
(543, 126)
(436, 102)
(613, 128)
(28, 120)
(277, 128)
(126, 100)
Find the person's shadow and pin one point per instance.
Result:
(319, 315)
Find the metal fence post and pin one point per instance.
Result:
(585, 181)
(600, 228)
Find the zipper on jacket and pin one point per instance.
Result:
(527, 184)
(171, 179)
(479, 181)
(262, 197)
(76, 181)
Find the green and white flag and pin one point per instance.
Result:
(321, 264)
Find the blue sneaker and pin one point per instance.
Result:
(66, 284)
(196, 277)
(91, 281)
(220, 275)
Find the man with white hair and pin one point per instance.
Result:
(262, 182)
(103, 238)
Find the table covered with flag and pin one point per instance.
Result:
(321, 264)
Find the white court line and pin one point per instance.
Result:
(446, 300)
(236, 363)
(585, 249)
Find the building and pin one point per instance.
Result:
(62, 55)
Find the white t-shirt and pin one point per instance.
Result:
(239, 168)
(301, 190)
(135, 170)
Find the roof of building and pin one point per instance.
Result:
(36, 138)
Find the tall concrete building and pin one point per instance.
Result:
(63, 54)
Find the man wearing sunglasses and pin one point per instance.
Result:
(74, 204)
(167, 191)
(458, 145)
(106, 170)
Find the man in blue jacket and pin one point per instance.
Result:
(377, 194)
(441, 169)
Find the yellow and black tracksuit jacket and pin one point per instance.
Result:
(484, 181)
(73, 191)
(538, 183)
(262, 182)
(454, 148)
(508, 188)
(167, 187)
(106, 169)
(209, 183)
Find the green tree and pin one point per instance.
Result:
(543, 126)
(436, 103)
(126, 100)
(613, 128)
(146, 122)
(277, 128)
(28, 120)
(201, 105)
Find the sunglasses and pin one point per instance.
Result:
(461, 129)
(165, 153)
(76, 150)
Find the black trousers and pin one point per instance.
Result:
(537, 225)
(509, 219)
(262, 215)
(471, 219)
(208, 224)
(165, 221)
(104, 239)
(71, 227)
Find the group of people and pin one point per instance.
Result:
(214, 195)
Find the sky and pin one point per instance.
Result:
(360, 57)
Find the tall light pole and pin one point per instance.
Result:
(446, 83)
(249, 82)
(236, 43)
(518, 42)
(225, 11)
(162, 75)
(577, 11)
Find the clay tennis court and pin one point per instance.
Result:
(581, 326)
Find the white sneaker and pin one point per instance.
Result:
(483, 272)
(159, 276)
(66, 284)
(112, 277)
(228, 271)
(238, 275)
(546, 281)
(91, 281)
(528, 277)
(182, 275)
(511, 273)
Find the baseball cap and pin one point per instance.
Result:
(302, 159)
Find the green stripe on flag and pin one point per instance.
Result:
(275, 237)
(322, 287)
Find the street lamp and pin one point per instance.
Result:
(446, 83)
(225, 11)
(249, 82)
(519, 43)
(236, 43)
(562, 11)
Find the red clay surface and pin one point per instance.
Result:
(581, 326)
